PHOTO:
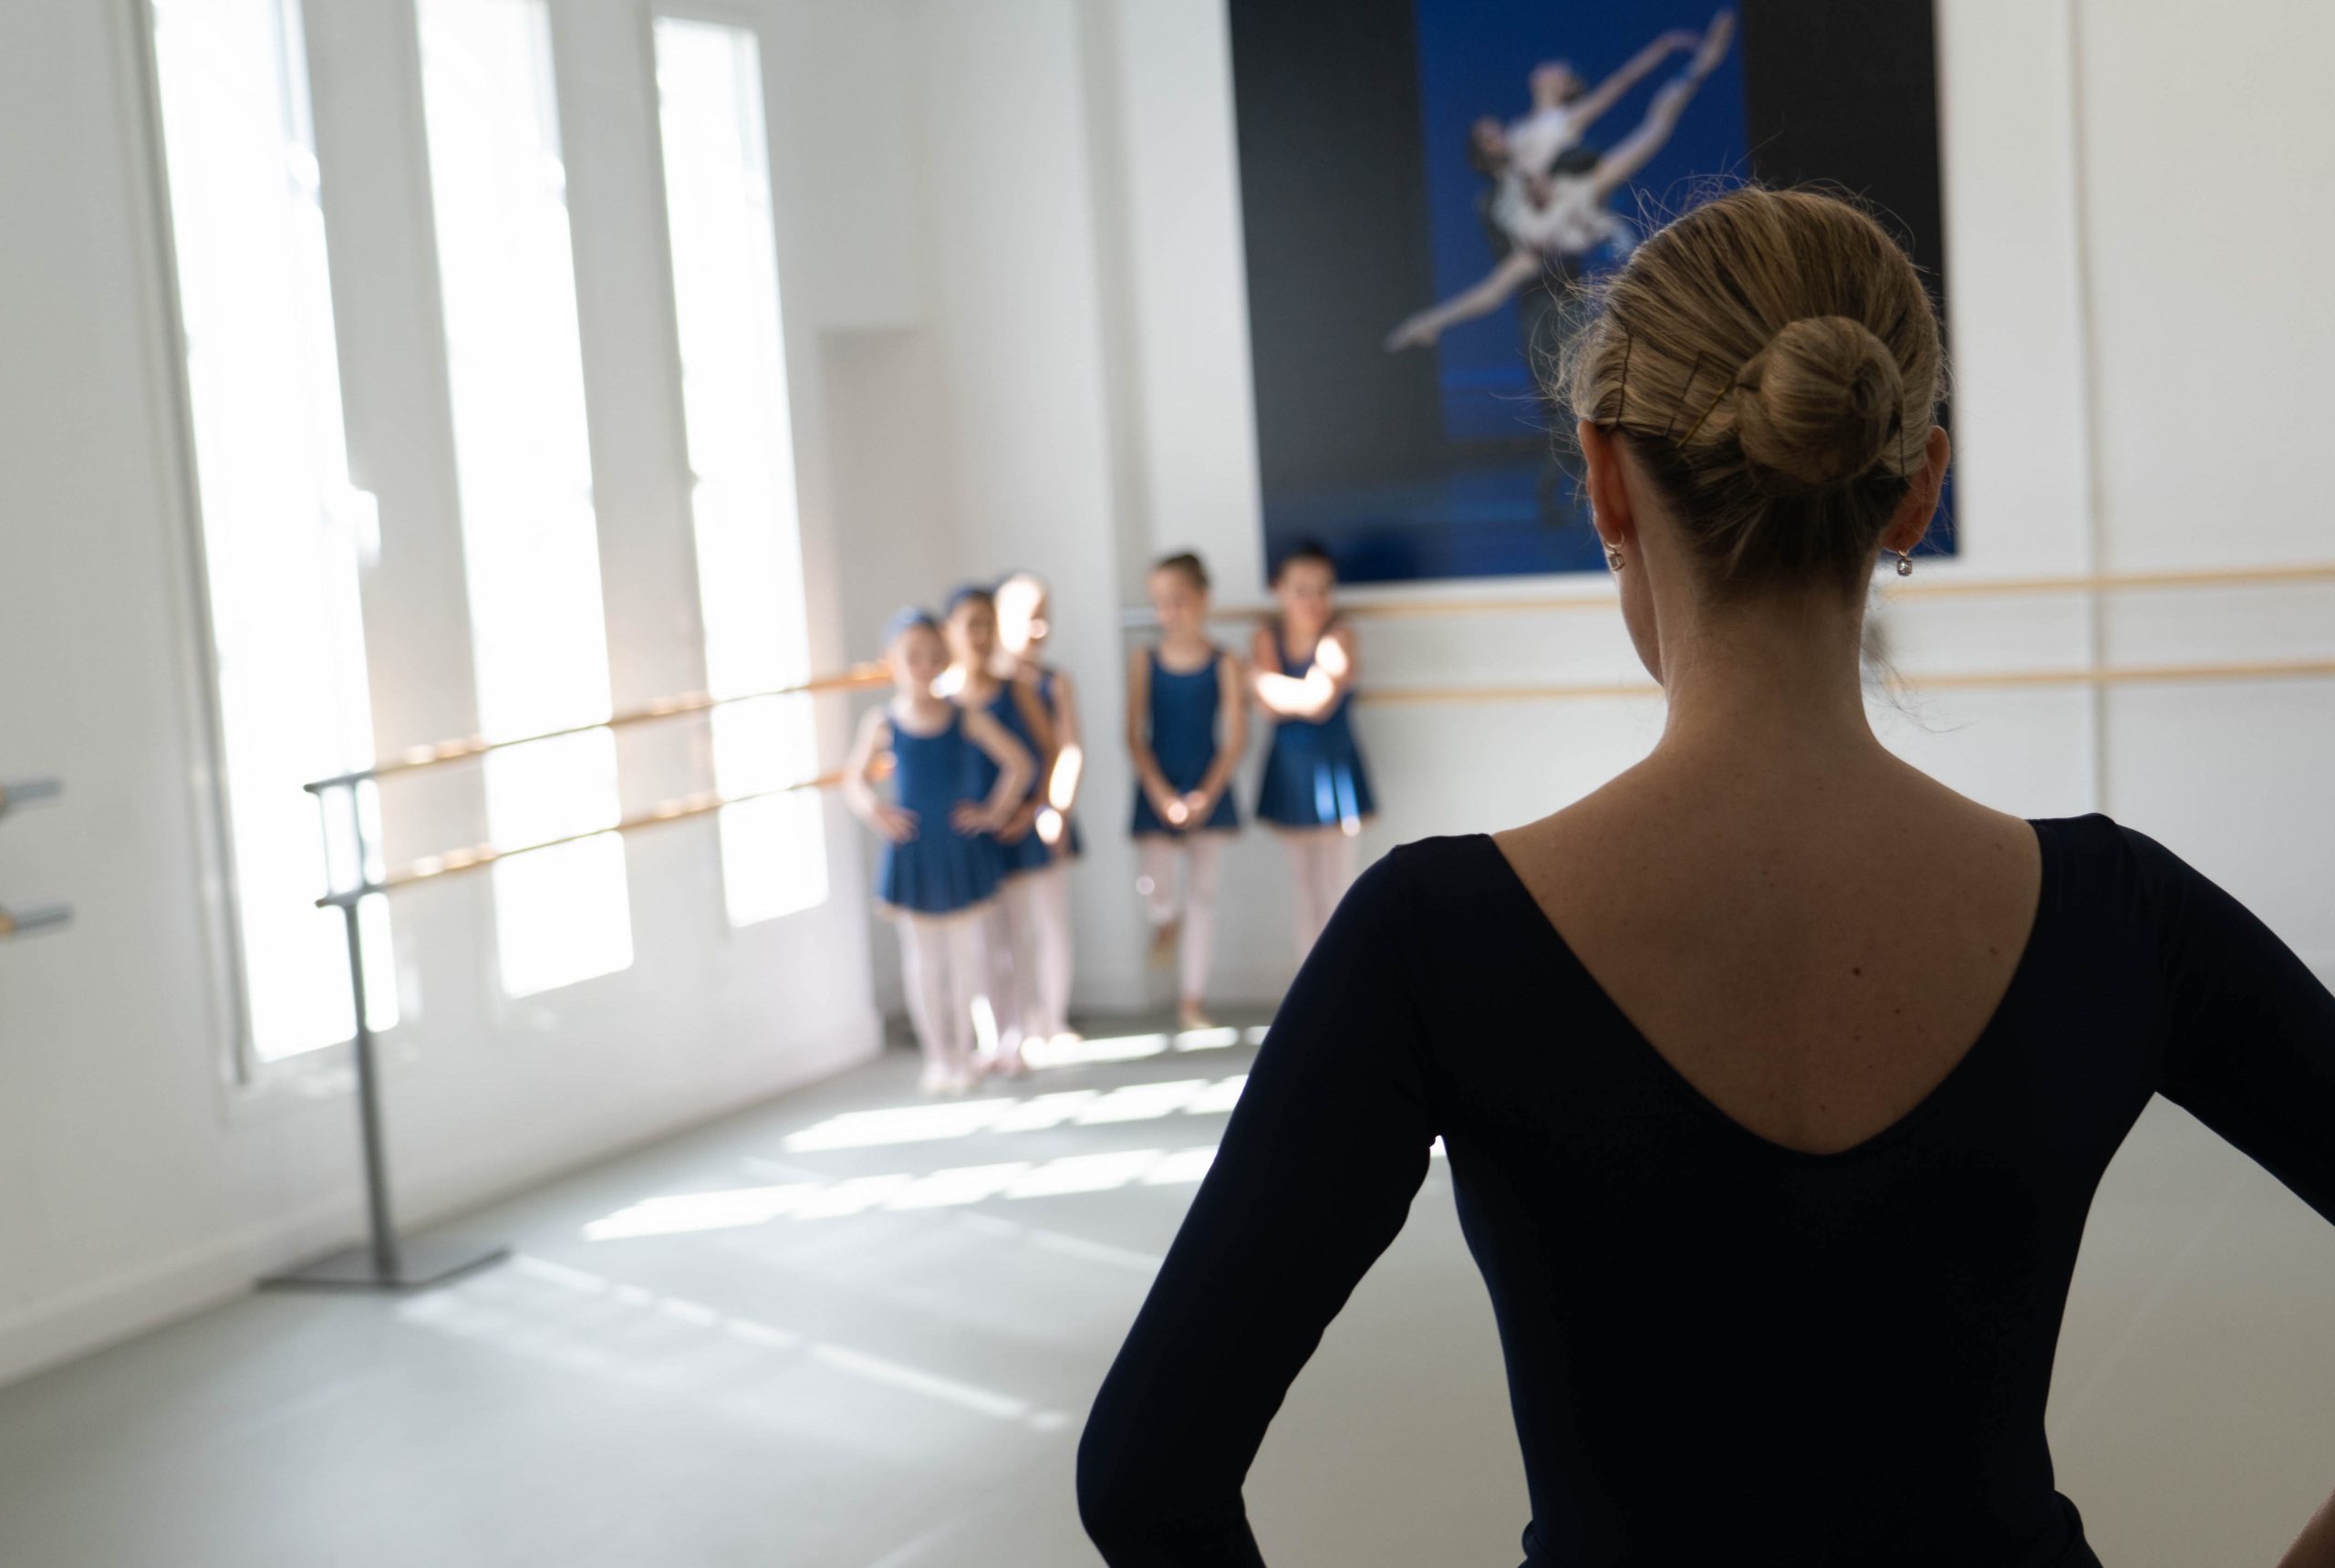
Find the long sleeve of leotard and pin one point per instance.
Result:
(1314, 1176)
(2251, 1046)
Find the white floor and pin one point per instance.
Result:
(821, 1332)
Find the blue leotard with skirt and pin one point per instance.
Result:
(1028, 853)
(1184, 706)
(941, 870)
(1314, 771)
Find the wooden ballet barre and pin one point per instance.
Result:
(2211, 577)
(454, 863)
(1949, 587)
(2110, 675)
(415, 758)
(2126, 675)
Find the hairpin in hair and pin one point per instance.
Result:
(1621, 392)
(1708, 409)
(1905, 469)
(1693, 372)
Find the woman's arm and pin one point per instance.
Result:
(2251, 1051)
(1235, 742)
(1314, 1178)
(1015, 768)
(1516, 269)
(896, 823)
(2314, 1548)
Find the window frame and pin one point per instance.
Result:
(754, 22)
(254, 1084)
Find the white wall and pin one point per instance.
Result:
(143, 1180)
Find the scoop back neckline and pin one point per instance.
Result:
(1923, 1110)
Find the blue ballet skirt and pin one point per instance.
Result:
(1029, 853)
(1183, 741)
(1314, 771)
(941, 870)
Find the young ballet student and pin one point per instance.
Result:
(1316, 793)
(1024, 626)
(1186, 727)
(982, 679)
(941, 865)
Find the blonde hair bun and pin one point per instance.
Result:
(1819, 405)
(1783, 474)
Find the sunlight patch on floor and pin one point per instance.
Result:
(682, 1213)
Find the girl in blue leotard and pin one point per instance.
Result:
(1186, 726)
(942, 865)
(980, 678)
(1024, 624)
(1316, 793)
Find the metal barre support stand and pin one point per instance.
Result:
(36, 918)
(383, 1261)
(27, 792)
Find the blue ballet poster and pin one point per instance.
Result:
(1425, 186)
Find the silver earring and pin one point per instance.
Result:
(1614, 558)
(1904, 564)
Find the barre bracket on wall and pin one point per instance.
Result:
(19, 923)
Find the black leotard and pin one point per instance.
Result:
(1720, 1351)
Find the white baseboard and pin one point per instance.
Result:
(40, 1335)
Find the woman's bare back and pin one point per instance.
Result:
(1813, 955)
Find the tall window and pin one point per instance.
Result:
(283, 530)
(741, 458)
(522, 463)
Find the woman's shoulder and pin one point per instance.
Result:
(1446, 921)
(1439, 885)
(2095, 854)
(2113, 876)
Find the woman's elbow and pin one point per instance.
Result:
(1119, 1491)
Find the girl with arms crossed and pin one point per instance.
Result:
(1316, 793)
